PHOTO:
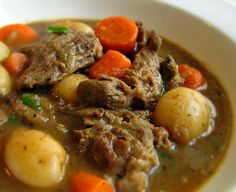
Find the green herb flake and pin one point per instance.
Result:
(31, 100)
(167, 160)
(166, 155)
(163, 88)
(216, 144)
(57, 29)
(217, 147)
(61, 128)
(12, 118)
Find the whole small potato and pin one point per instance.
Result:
(34, 157)
(66, 88)
(83, 27)
(5, 82)
(185, 113)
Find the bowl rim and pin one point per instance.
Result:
(200, 10)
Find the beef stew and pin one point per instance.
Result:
(146, 123)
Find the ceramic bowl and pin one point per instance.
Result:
(207, 29)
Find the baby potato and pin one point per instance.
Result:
(74, 25)
(4, 51)
(66, 88)
(185, 113)
(5, 82)
(34, 157)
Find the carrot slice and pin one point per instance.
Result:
(117, 33)
(15, 63)
(113, 63)
(87, 182)
(16, 34)
(192, 77)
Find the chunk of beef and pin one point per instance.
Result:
(143, 114)
(144, 76)
(45, 117)
(120, 142)
(170, 73)
(58, 55)
(96, 135)
(161, 138)
(144, 36)
(107, 92)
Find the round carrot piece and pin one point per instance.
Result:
(192, 77)
(113, 63)
(117, 33)
(16, 34)
(87, 182)
(15, 63)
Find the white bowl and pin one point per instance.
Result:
(205, 29)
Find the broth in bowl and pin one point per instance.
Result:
(92, 105)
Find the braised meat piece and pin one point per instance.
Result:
(107, 92)
(144, 36)
(58, 55)
(170, 74)
(144, 76)
(45, 117)
(161, 138)
(121, 142)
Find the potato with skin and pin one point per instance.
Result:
(35, 158)
(185, 113)
(67, 88)
(5, 82)
(83, 27)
